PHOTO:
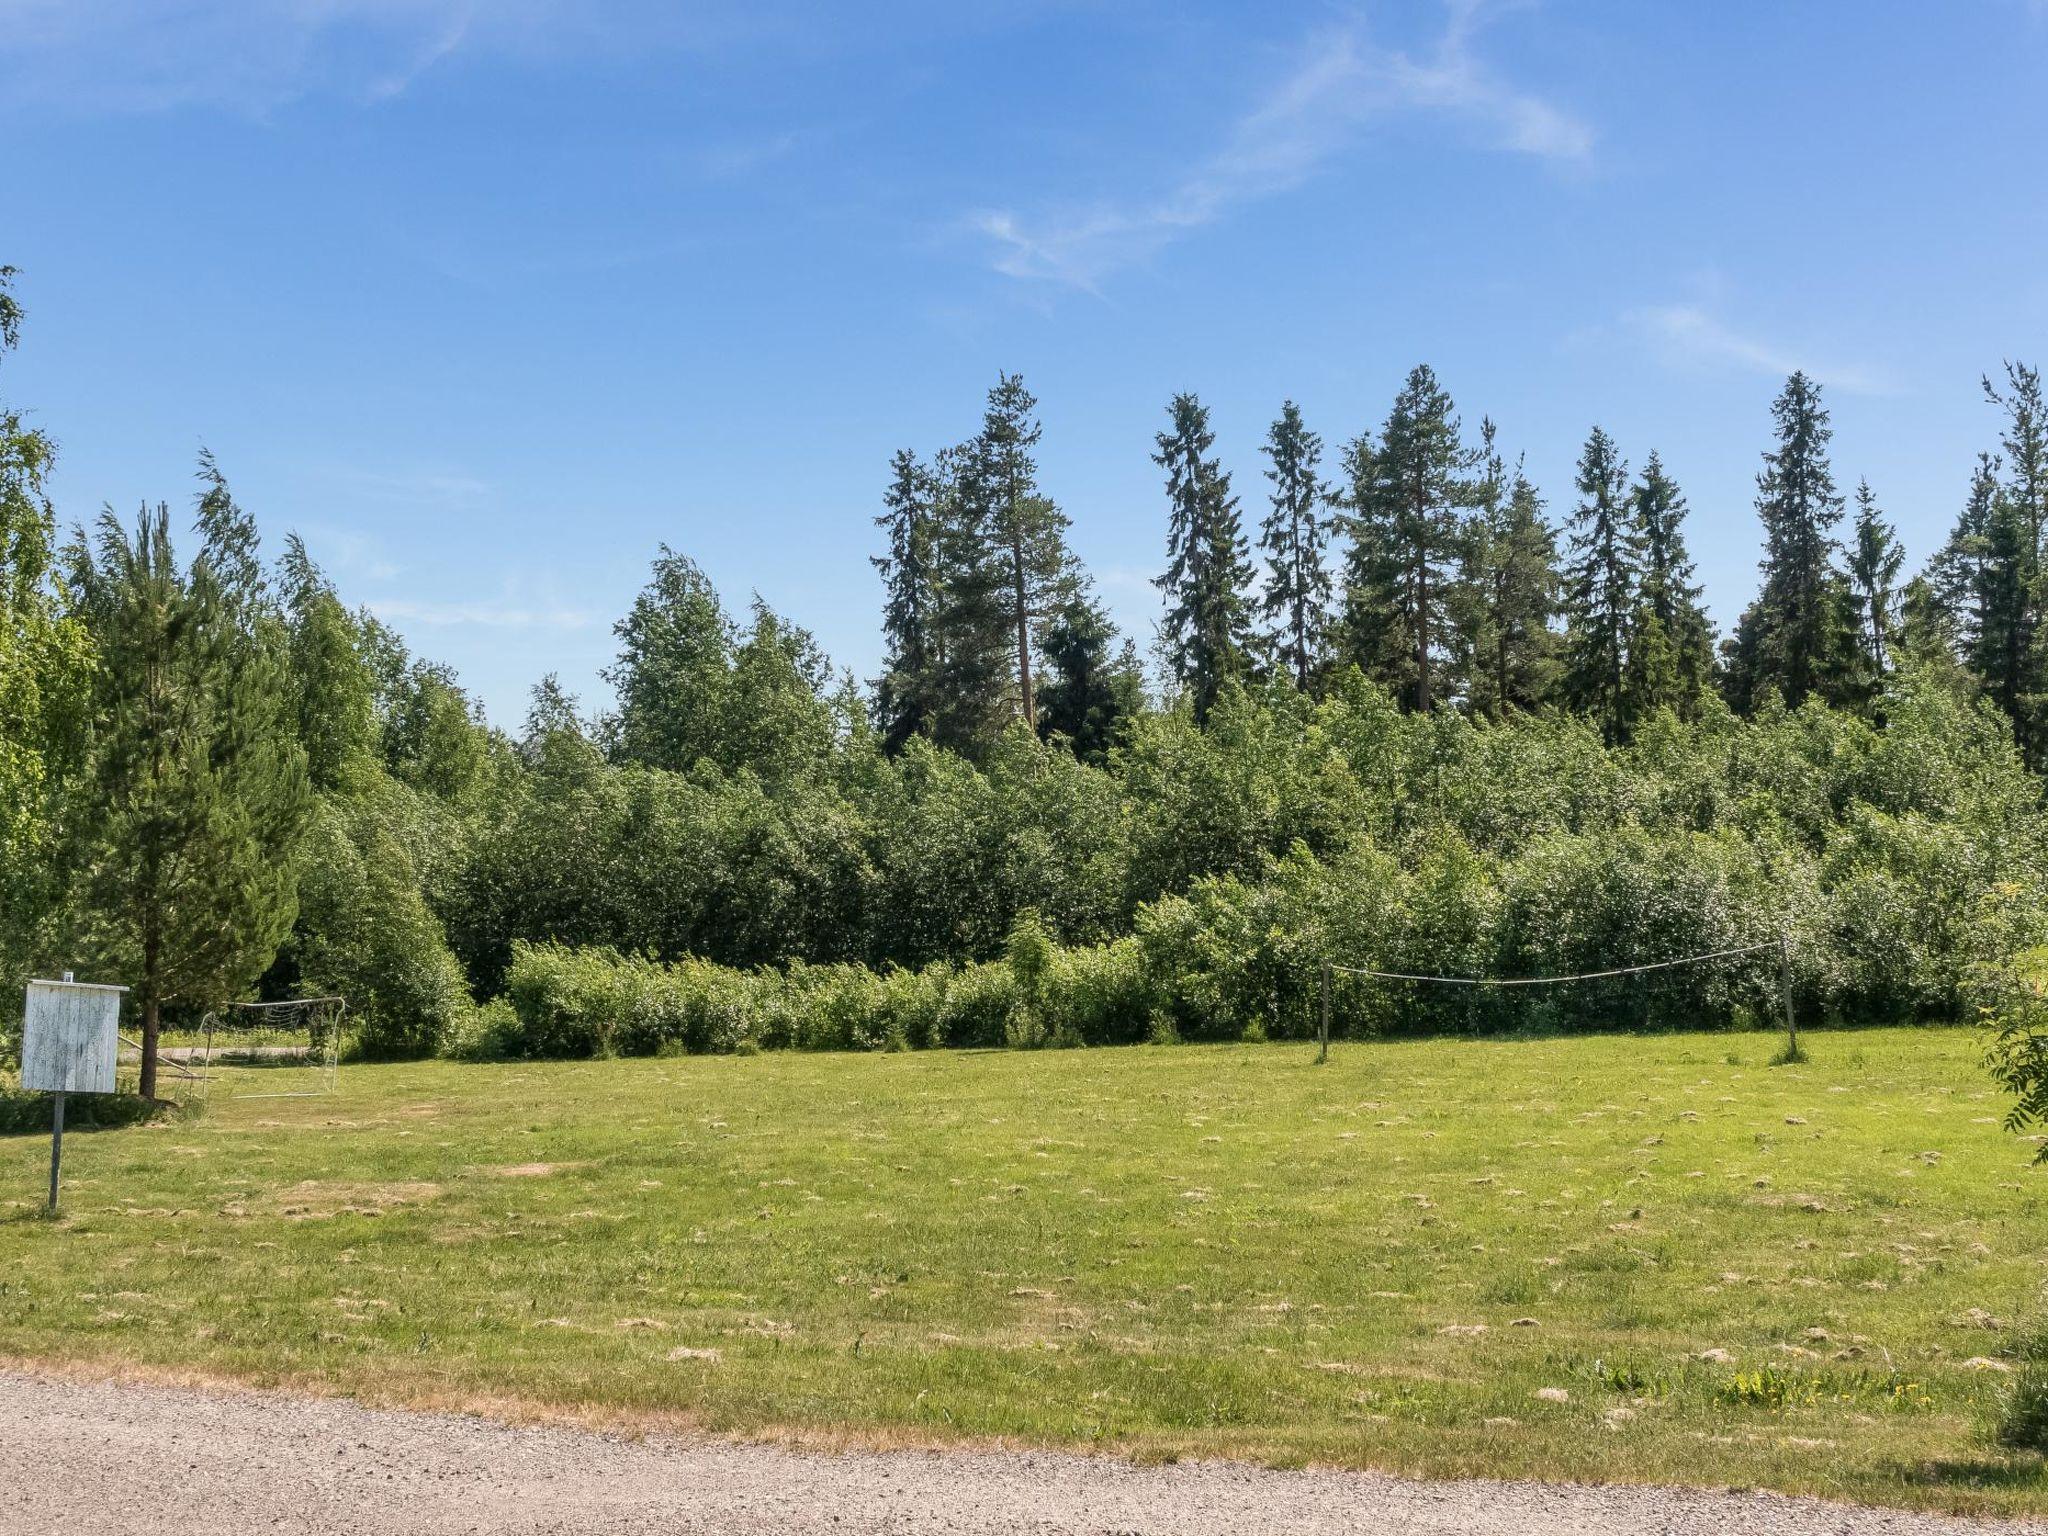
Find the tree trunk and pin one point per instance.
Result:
(1023, 634)
(1422, 637)
(151, 1024)
(152, 1007)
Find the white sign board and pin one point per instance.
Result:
(69, 1037)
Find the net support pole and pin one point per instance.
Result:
(1785, 988)
(1323, 1030)
(56, 1145)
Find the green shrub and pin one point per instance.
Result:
(980, 1006)
(567, 1000)
(492, 1032)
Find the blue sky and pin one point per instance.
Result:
(487, 300)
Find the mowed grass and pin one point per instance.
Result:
(1158, 1251)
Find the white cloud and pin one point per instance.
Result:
(1342, 83)
(1693, 335)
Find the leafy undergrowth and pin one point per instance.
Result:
(1611, 1258)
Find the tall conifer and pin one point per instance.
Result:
(1407, 493)
(1296, 602)
(1797, 636)
(1603, 585)
(1206, 632)
(196, 796)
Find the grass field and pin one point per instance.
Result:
(1399, 1260)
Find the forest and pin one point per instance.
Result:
(1400, 710)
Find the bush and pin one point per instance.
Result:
(490, 1033)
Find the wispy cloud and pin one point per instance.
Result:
(1342, 83)
(349, 552)
(1692, 334)
(742, 157)
(256, 56)
(146, 55)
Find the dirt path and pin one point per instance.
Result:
(91, 1457)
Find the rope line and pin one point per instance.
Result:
(1549, 981)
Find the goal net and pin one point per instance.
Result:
(1647, 995)
(288, 1049)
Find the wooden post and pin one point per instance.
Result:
(1785, 986)
(56, 1145)
(1323, 1034)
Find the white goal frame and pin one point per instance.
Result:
(318, 1019)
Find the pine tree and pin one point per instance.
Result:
(1603, 587)
(1406, 495)
(1206, 633)
(1296, 601)
(1874, 560)
(1683, 633)
(1509, 592)
(904, 694)
(196, 796)
(1092, 684)
(1792, 638)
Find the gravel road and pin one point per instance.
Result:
(85, 1457)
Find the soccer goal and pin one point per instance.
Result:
(281, 1050)
(1781, 947)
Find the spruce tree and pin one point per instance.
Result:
(1025, 528)
(1093, 684)
(1956, 576)
(1874, 561)
(2025, 441)
(1407, 492)
(973, 638)
(1683, 633)
(1603, 577)
(1509, 592)
(1794, 637)
(195, 798)
(904, 701)
(1206, 632)
(1296, 602)
(2017, 535)
(2005, 608)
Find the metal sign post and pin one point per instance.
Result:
(1323, 1033)
(56, 1145)
(1785, 988)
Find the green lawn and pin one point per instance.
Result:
(1160, 1251)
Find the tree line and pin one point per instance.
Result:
(1429, 563)
(1424, 723)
